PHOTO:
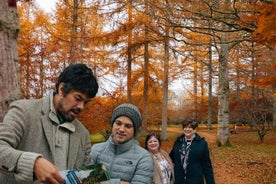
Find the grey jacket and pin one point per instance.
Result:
(125, 162)
(27, 132)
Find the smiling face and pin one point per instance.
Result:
(153, 144)
(189, 131)
(69, 105)
(122, 130)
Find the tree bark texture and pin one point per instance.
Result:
(9, 28)
(273, 57)
(223, 97)
(210, 87)
(165, 89)
(146, 75)
(129, 55)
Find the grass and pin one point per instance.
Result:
(95, 138)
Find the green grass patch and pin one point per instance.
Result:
(95, 138)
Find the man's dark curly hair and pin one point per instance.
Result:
(78, 77)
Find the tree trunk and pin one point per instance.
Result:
(195, 79)
(146, 75)
(210, 86)
(129, 55)
(146, 84)
(9, 28)
(201, 115)
(274, 88)
(165, 89)
(223, 97)
(73, 42)
(274, 113)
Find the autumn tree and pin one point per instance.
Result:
(48, 39)
(265, 33)
(140, 44)
(34, 51)
(157, 34)
(228, 24)
(137, 49)
(129, 53)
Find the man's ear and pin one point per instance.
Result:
(60, 88)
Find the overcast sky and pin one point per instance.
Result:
(47, 5)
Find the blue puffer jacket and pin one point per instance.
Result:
(125, 162)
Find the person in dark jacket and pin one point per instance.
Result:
(190, 155)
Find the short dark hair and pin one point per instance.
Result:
(152, 134)
(190, 122)
(80, 78)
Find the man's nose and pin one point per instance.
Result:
(122, 128)
(81, 105)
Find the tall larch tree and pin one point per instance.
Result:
(146, 65)
(129, 54)
(265, 33)
(210, 86)
(68, 31)
(9, 29)
(26, 48)
(165, 83)
(133, 36)
(34, 51)
(159, 31)
(217, 20)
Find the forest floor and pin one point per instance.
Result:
(246, 161)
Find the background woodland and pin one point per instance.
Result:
(223, 52)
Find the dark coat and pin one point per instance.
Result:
(199, 163)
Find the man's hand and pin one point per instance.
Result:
(46, 172)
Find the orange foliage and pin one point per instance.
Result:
(266, 25)
(44, 48)
(96, 117)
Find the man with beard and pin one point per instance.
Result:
(125, 160)
(40, 137)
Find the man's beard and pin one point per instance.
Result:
(65, 114)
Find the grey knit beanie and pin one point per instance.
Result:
(130, 111)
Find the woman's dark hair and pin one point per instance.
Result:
(80, 78)
(190, 122)
(152, 134)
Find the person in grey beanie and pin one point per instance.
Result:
(126, 161)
